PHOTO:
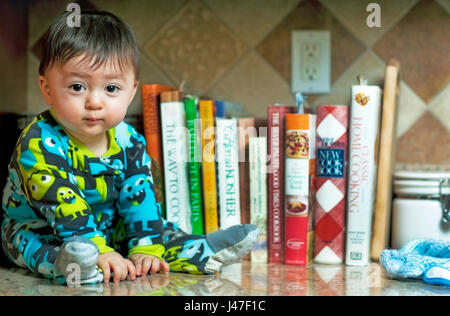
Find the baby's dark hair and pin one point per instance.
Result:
(100, 37)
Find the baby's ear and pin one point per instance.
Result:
(135, 87)
(45, 89)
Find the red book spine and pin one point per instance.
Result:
(275, 180)
(332, 130)
(152, 132)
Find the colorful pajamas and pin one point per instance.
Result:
(58, 189)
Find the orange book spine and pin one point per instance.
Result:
(206, 108)
(152, 131)
(299, 187)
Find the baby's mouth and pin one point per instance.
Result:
(92, 120)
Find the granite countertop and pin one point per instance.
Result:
(239, 279)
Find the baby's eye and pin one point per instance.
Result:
(77, 87)
(112, 89)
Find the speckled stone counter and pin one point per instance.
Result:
(240, 279)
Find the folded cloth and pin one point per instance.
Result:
(420, 258)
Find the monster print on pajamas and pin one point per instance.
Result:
(56, 189)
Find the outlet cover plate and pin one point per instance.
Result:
(311, 62)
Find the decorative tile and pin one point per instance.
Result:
(42, 14)
(149, 72)
(195, 47)
(310, 15)
(255, 85)
(426, 142)
(353, 14)
(419, 41)
(369, 65)
(251, 20)
(145, 17)
(410, 108)
(445, 4)
(440, 107)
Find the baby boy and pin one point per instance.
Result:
(80, 188)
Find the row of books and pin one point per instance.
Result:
(322, 201)
(194, 153)
(306, 180)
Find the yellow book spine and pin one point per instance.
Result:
(209, 166)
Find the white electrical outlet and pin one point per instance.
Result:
(311, 62)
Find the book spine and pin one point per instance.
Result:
(173, 124)
(219, 109)
(258, 195)
(299, 175)
(152, 132)
(227, 159)
(331, 144)
(211, 217)
(195, 184)
(364, 130)
(246, 129)
(275, 180)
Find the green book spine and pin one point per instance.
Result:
(194, 128)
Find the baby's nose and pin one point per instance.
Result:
(93, 102)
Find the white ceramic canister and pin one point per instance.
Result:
(420, 206)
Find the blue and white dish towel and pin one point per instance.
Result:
(420, 258)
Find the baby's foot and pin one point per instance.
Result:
(208, 254)
(77, 261)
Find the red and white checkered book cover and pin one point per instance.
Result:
(331, 142)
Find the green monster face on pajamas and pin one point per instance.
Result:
(70, 203)
(66, 195)
(39, 184)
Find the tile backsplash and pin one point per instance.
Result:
(239, 50)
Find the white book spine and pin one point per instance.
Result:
(174, 139)
(228, 172)
(258, 195)
(364, 130)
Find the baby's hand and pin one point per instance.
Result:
(118, 264)
(148, 264)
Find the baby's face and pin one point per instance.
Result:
(88, 102)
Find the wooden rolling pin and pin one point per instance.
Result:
(383, 201)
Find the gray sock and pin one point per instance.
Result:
(77, 261)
